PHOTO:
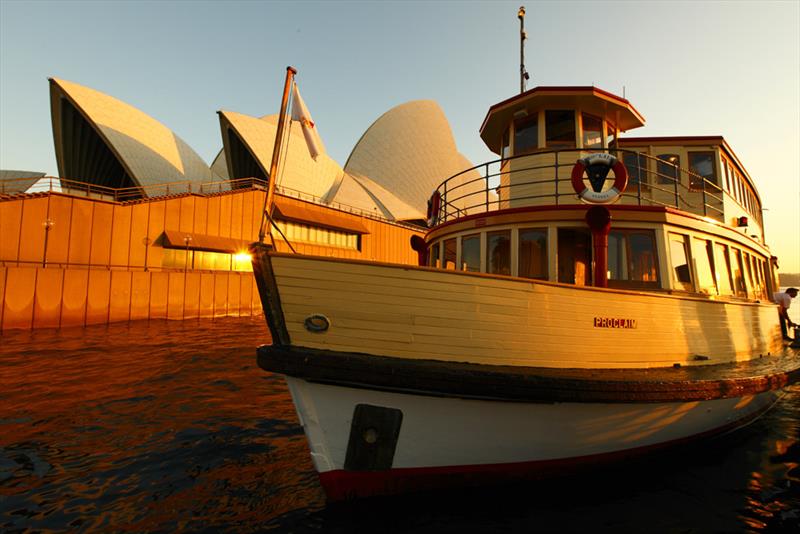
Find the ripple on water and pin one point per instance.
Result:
(171, 425)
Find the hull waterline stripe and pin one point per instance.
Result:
(532, 384)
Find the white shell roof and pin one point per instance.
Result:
(149, 151)
(410, 150)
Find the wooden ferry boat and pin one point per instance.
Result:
(587, 298)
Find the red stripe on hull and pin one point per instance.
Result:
(340, 485)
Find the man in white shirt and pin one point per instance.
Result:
(784, 300)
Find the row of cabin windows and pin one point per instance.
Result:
(702, 164)
(720, 269)
(738, 189)
(560, 132)
(632, 255)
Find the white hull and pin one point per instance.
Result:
(442, 434)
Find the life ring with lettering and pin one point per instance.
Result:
(597, 166)
(434, 203)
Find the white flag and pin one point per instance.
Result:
(300, 113)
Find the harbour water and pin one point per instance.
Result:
(161, 426)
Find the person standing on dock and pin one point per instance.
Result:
(784, 300)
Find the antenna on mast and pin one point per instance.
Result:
(523, 74)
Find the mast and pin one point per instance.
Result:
(266, 216)
(523, 74)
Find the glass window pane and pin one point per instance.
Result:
(435, 255)
(738, 273)
(560, 128)
(703, 257)
(703, 164)
(722, 268)
(681, 273)
(498, 252)
(533, 253)
(505, 149)
(471, 253)
(526, 135)
(643, 257)
(617, 262)
(450, 254)
(610, 134)
(592, 131)
(667, 168)
(636, 164)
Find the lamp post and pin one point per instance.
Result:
(47, 224)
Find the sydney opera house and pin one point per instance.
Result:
(138, 226)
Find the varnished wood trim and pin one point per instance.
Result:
(268, 291)
(533, 384)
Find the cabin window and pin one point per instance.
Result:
(574, 256)
(636, 165)
(740, 290)
(703, 165)
(505, 148)
(560, 128)
(727, 175)
(703, 254)
(759, 276)
(498, 252)
(435, 261)
(450, 254)
(592, 131)
(526, 135)
(722, 268)
(471, 253)
(533, 253)
(611, 134)
(667, 168)
(681, 274)
(632, 258)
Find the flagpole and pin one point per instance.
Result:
(266, 217)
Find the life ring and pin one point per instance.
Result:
(434, 203)
(604, 197)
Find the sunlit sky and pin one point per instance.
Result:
(693, 68)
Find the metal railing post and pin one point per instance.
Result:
(677, 180)
(486, 179)
(556, 188)
(705, 203)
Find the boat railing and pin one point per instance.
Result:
(544, 178)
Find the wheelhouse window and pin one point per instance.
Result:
(632, 259)
(722, 268)
(498, 252)
(435, 255)
(526, 135)
(703, 254)
(727, 175)
(592, 131)
(560, 128)
(703, 165)
(681, 273)
(533, 253)
(667, 168)
(505, 148)
(471, 253)
(636, 164)
(611, 134)
(450, 254)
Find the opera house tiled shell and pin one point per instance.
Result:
(410, 150)
(104, 141)
(248, 143)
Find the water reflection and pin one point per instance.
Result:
(171, 425)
